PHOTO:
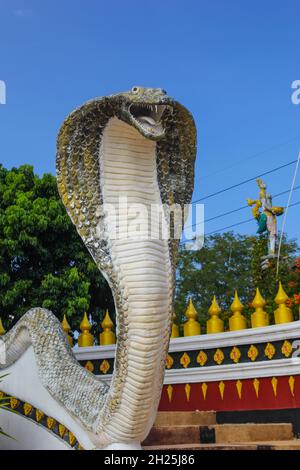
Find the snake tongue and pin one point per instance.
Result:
(147, 119)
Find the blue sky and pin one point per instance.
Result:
(230, 62)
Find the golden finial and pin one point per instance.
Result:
(191, 327)
(175, 329)
(107, 336)
(214, 324)
(66, 327)
(282, 314)
(259, 317)
(85, 338)
(2, 330)
(237, 321)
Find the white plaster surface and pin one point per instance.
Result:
(27, 435)
(23, 382)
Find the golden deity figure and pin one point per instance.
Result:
(265, 214)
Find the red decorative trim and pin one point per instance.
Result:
(266, 398)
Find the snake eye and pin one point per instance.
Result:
(135, 89)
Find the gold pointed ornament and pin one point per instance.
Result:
(66, 327)
(214, 324)
(259, 317)
(239, 388)
(204, 388)
(175, 329)
(187, 389)
(237, 321)
(170, 392)
(222, 389)
(85, 339)
(256, 384)
(282, 314)
(107, 336)
(274, 383)
(191, 327)
(2, 330)
(292, 385)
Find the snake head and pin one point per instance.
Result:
(144, 109)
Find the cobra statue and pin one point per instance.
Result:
(138, 145)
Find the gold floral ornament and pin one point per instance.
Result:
(72, 438)
(202, 358)
(62, 430)
(104, 367)
(252, 352)
(286, 348)
(169, 361)
(270, 350)
(219, 356)
(89, 366)
(39, 415)
(235, 354)
(185, 360)
(51, 423)
(14, 403)
(27, 409)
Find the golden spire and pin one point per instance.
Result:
(282, 314)
(259, 317)
(107, 336)
(214, 324)
(175, 329)
(191, 327)
(2, 330)
(66, 327)
(237, 321)
(85, 338)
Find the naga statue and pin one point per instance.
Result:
(139, 145)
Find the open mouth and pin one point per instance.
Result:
(148, 117)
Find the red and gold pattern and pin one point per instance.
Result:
(169, 361)
(104, 366)
(286, 349)
(219, 356)
(270, 351)
(185, 360)
(202, 358)
(235, 354)
(252, 352)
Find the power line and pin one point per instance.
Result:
(244, 182)
(231, 226)
(236, 210)
(251, 157)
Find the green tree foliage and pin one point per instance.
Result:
(43, 261)
(225, 263)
